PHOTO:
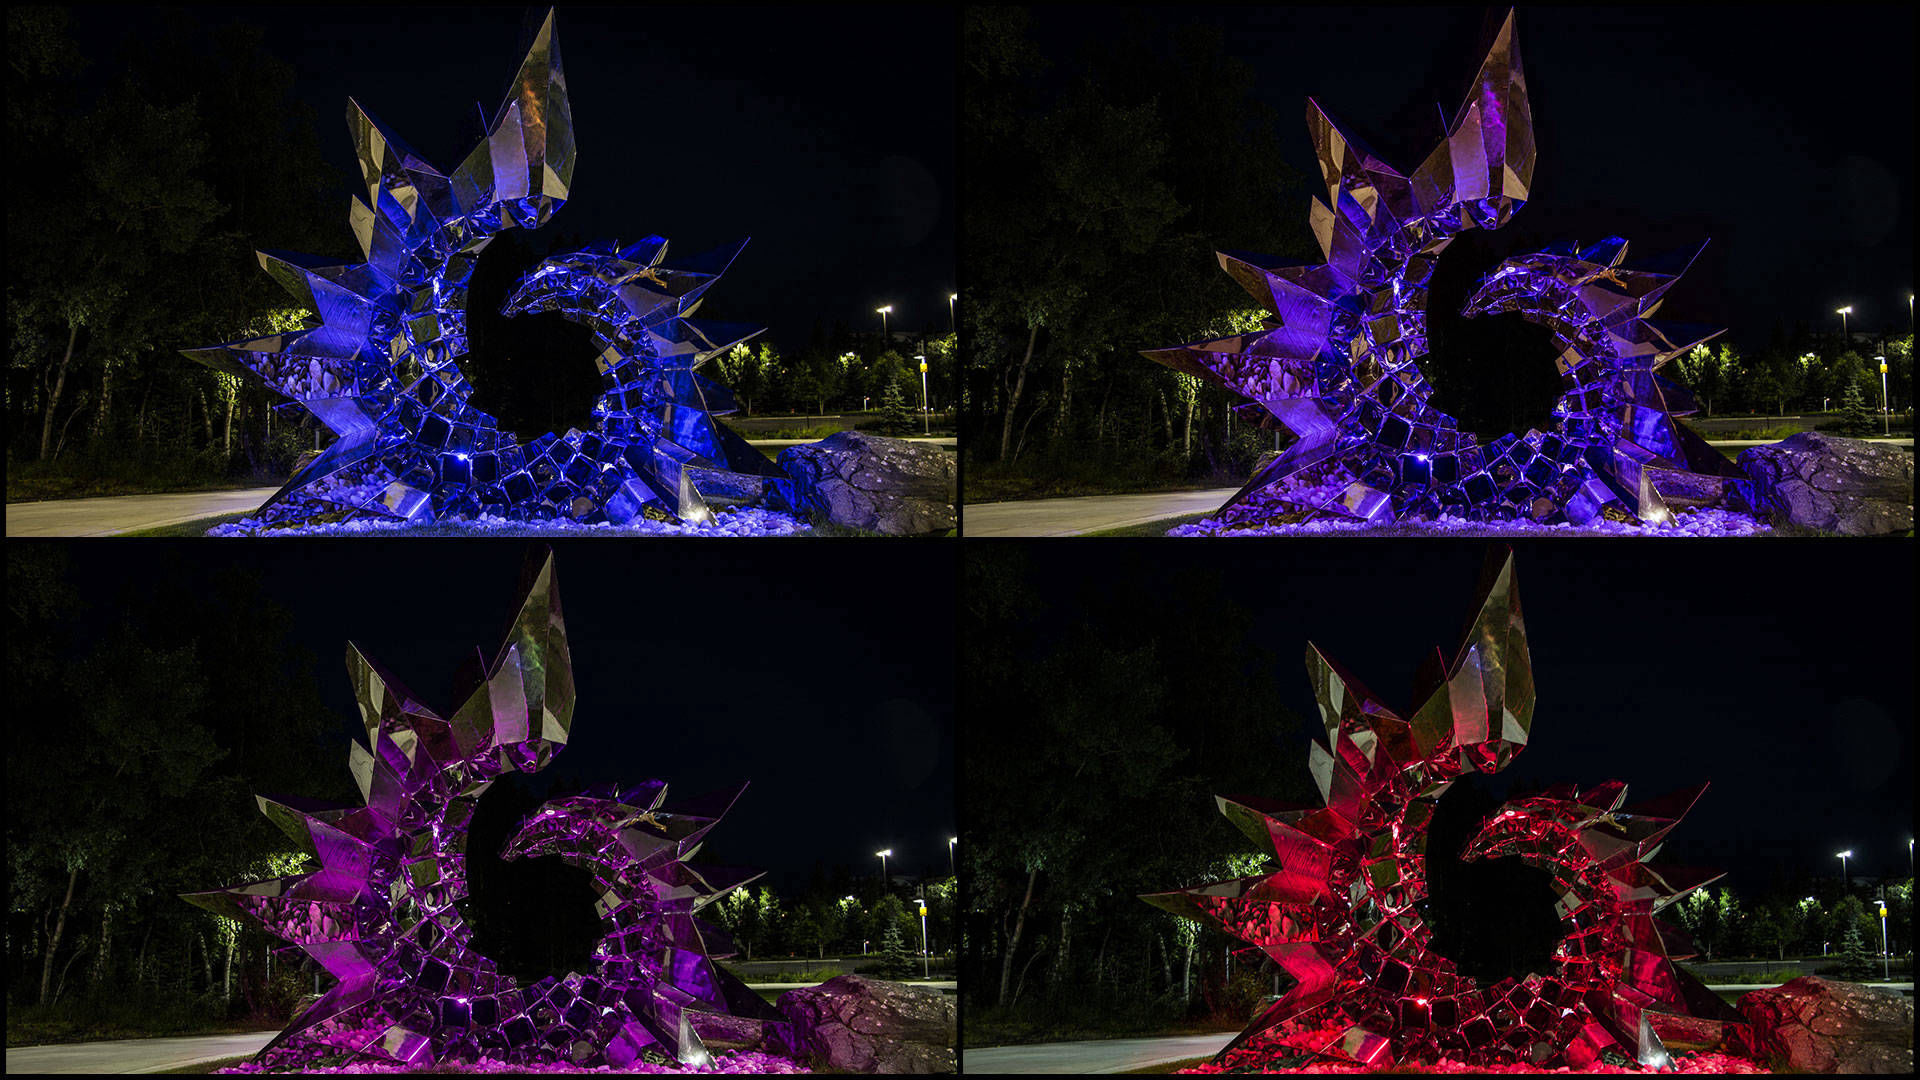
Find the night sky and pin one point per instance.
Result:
(1778, 670)
(824, 133)
(821, 672)
(1784, 135)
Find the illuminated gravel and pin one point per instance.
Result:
(1709, 522)
(747, 521)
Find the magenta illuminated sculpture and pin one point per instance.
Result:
(1341, 908)
(1336, 364)
(379, 909)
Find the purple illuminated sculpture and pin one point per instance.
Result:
(1337, 363)
(1342, 906)
(379, 907)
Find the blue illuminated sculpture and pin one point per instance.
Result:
(382, 366)
(1336, 364)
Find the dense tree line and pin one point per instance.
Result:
(838, 372)
(138, 736)
(1095, 783)
(1780, 925)
(152, 188)
(1797, 373)
(823, 921)
(1097, 195)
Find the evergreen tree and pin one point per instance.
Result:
(1855, 961)
(1855, 419)
(895, 419)
(895, 961)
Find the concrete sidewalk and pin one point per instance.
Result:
(1094, 1056)
(134, 1055)
(1085, 513)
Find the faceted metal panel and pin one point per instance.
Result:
(378, 907)
(381, 365)
(1339, 907)
(1337, 363)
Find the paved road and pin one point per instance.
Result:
(1085, 513)
(1097, 1056)
(133, 1055)
(107, 515)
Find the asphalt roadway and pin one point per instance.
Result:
(1096, 1056)
(1085, 513)
(110, 514)
(133, 1055)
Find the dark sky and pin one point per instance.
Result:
(1782, 134)
(821, 672)
(1778, 670)
(824, 133)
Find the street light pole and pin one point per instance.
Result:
(953, 325)
(1843, 856)
(883, 869)
(1886, 958)
(884, 311)
(1843, 313)
(952, 871)
(926, 957)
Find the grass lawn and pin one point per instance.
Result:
(206, 1066)
(22, 1031)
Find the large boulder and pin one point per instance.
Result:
(1847, 486)
(1814, 1025)
(869, 482)
(853, 1024)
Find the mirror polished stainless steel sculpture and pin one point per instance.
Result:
(382, 365)
(1341, 909)
(380, 907)
(1337, 362)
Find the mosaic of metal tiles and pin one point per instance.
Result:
(1337, 363)
(382, 367)
(380, 910)
(1340, 909)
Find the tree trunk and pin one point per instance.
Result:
(100, 959)
(79, 406)
(53, 942)
(1013, 940)
(46, 438)
(226, 981)
(1066, 399)
(1039, 406)
(226, 436)
(1013, 404)
(100, 418)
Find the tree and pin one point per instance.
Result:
(894, 417)
(896, 960)
(1855, 419)
(1856, 960)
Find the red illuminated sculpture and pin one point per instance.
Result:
(1343, 908)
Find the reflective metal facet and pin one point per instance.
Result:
(380, 363)
(378, 907)
(1336, 365)
(1339, 907)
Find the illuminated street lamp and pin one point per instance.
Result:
(885, 311)
(952, 840)
(1886, 418)
(883, 868)
(954, 327)
(1843, 313)
(926, 415)
(1843, 856)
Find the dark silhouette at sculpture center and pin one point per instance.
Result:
(532, 373)
(1494, 918)
(1494, 374)
(531, 917)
